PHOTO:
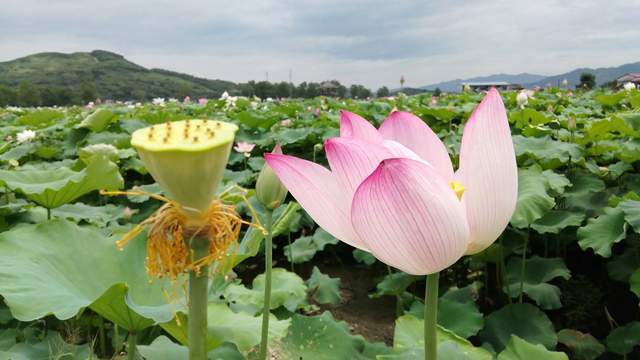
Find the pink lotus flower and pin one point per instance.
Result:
(244, 148)
(393, 191)
(202, 101)
(285, 122)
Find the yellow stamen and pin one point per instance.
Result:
(458, 188)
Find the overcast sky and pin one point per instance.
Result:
(366, 42)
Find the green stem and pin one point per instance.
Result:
(290, 252)
(132, 345)
(116, 338)
(198, 283)
(430, 317)
(103, 338)
(266, 311)
(523, 267)
(48, 214)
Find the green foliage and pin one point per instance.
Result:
(519, 349)
(524, 320)
(538, 272)
(578, 192)
(324, 289)
(582, 346)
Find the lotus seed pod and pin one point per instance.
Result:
(187, 159)
(269, 190)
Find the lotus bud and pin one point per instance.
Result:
(187, 158)
(571, 124)
(269, 190)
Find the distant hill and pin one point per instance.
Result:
(111, 75)
(603, 75)
(455, 85)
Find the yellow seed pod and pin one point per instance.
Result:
(187, 158)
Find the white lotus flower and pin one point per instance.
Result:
(25, 136)
(158, 101)
(522, 99)
(629, 86)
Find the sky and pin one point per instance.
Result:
(372, 43)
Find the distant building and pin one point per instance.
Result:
(484, 86)
(628, 78)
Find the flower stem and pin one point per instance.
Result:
(523, 267)
(198, 283)
(132, 342)
(430, 317)
(266, 311)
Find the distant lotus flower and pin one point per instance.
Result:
(8, 138)
(173, 100)
(550, 108)
(224, 96)
(628, 86)
(434, 100)
(127, 212)
(285, 122)
(202, 101)
(254, 105)
(158, 101)
(570, 93)
(90, 105)
(522, 98)
(25, 136)
(269, 99)
(565, 82)
(393, 191)
(244, 147)
(187, 99)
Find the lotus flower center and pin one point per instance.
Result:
(458, 188)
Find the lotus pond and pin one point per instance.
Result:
(561, 282)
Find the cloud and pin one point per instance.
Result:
(368, 42)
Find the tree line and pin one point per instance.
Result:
(26, 94)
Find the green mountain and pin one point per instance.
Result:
(108, 75)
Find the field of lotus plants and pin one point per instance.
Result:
(464, 226)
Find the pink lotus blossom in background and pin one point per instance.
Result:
(244, 147)
(202, 101)
(434, 100)
(187, 99)
(393, 192)
(285, 122)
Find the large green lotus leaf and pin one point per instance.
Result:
(583, 346)
(325, 289)
(58, 268)
(304, 248)
(53, 188)
(322, 338)
(457, 311)
(623, 339)
(519, 349)
(98, 120)
(409, 335)
(41, 118)
(223, 324)
(164, 349)
(609, 128)
(550, 153)
(586, 194)
(523, 320)
(602, 232)
(538, 272)
(52, 346)
(631, 210)
(97, 215)
(622, 266)
(533, 198)
(528, 116)
(556, 220)
(288, 290)
(394, 284)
